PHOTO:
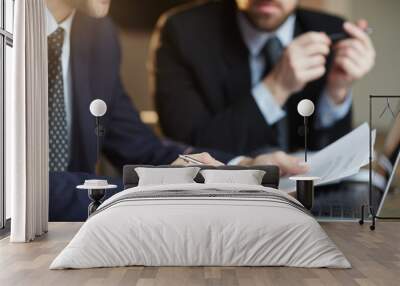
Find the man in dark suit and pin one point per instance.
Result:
(236, 70)
(94, 72)
(84, 64)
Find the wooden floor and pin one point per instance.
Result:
(375, 257)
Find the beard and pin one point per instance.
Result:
(266, 23)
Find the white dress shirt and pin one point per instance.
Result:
(51, 26)
(327, 111)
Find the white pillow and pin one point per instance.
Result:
(166, 176)
(247, 177)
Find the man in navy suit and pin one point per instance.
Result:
(84, 64)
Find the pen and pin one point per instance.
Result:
(335, 37)
(190, 160)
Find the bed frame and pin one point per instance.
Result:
(271, 177)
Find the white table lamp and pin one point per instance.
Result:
(305, 184)
(305, 108)
(98, 108)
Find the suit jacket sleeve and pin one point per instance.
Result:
(128, 140)
(185, 114)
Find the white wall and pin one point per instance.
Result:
(384, 79)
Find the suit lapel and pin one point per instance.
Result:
(237, 77)
(299, 25)
(237, 71)
(81, 91)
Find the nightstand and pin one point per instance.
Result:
(96, 191)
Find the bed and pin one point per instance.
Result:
(198, 224)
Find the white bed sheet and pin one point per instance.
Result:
(200, 231)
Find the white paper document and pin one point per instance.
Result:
(340, 159)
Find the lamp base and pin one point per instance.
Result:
(305, 193)
(96, 196)
(305, 190)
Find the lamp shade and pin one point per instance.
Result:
(98, 107)
(305, 107)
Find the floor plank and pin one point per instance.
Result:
(375, 257)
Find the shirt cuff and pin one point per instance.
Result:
(329, 112)
(235, 161)
(265, 101)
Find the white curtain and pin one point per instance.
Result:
(26, 124)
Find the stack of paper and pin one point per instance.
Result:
(341, 159)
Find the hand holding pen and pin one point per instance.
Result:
(197, 159)
(304, 60)
(353, 58)
(336, 37)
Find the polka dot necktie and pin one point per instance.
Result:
(58, 129)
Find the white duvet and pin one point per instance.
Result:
(201, 231)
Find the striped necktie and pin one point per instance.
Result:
(272, 51)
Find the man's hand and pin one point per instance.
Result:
(204, 157)
(287, 164)
(302, 61)
(354, 57)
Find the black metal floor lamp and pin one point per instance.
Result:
(371, 208)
